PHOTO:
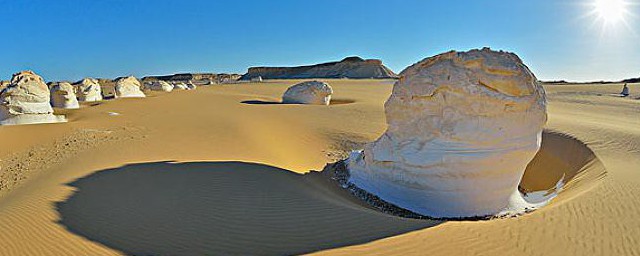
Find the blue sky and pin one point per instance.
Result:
(68, 40)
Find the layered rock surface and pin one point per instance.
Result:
(63, 96)
(128, 87)
(462, 127)
(26, 101)
(4, 84)
(351, 67)
(310, 92)
(89, 90)
(198, 78)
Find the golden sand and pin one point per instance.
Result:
(226, 169)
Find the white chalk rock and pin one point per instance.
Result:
(88, 90)
(26, 101)
(160, 86)
(191, 86)
(462, 127)
(310, 92)
(128, 87)
(180, 86)
(63, 96)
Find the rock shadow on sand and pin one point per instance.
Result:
(221, 208)
(267, 102)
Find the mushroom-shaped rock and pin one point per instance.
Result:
(128, 87)
(160, 86)
(310, 92)
(26, 101)
(88, 90)
(462, 127)
(63, 96)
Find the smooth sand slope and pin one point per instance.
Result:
(225, 170)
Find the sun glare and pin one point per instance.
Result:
(611, 12)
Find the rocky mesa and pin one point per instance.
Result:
(350, 67)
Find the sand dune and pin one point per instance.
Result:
(225, 169)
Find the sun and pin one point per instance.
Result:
(611, 12)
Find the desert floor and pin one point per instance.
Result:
(227, 170)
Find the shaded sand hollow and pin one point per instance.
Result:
(225, 170)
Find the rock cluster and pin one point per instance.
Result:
(310, 92)
(462, 127)
(26, 101)
(160, 86)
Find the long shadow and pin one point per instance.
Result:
(221, 208)
(264, 102)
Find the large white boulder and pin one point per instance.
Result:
(310, 92)
(26, 101)
(63, 96)
(160, 86)
(462, 127)
(88, 90)
(128, 87)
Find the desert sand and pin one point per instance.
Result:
(227, 169)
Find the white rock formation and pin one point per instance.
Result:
(63, 96)
(310, 92)
(26, 101)
(160, 86)
(462, 127)
(180, 86)
(128, 87)
(191, 86)
(88, 90)
(256, 79)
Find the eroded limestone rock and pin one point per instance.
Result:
(88, 90)
(160, 86)
(462, 127)
(63, 96)
(26, 101)
(128, 87)
(310, 92)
